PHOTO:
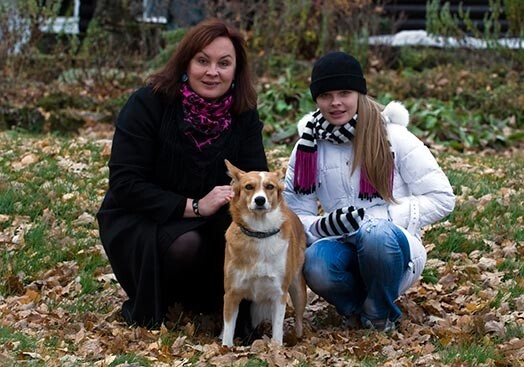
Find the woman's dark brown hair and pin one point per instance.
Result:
(168, 79)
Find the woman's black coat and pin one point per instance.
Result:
(153, 169)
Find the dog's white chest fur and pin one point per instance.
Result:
(263, 281)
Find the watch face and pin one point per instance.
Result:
(195, 208)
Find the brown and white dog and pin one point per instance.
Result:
(264, 256)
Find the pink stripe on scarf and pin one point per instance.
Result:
(366, 189)
(306, 174)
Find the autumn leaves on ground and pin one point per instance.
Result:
(59, 302)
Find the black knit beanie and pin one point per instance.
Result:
(337, 71)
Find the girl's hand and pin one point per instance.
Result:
(341, 221)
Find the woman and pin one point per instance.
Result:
(378, 185)
(163, 219)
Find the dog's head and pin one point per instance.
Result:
(258, 192)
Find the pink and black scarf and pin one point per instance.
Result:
(207, 120)
(318, 128)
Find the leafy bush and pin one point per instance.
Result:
(448, 124)
(281, 103)
(468, 102)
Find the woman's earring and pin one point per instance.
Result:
(233, 85)
(184, 78)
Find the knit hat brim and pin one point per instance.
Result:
(338, 82)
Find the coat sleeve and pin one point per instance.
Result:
(132, 162)
(431, 195)
(305, 206)
(251, 154)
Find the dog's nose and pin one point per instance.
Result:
(260, 200)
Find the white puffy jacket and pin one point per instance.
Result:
(421, 188)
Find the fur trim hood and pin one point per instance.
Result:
(394, 113)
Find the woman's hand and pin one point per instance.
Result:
(214, 200)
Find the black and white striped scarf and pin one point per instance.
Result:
(318, 128)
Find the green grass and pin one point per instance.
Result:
(90, 264)
(130, 360)
(302, 363)
(514, 331)
(255, 362)
(38, 254)
(367, 362)
(51, 197)
(473, 354)
(17, 342)
(485, 188)
(512, 268)
(430, 275)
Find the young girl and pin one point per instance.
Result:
(377, 185)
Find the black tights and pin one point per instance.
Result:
(193, 272)
(183, 254)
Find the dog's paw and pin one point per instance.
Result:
(291, 339)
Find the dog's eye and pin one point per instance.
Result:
(270, 186)
(249, 187)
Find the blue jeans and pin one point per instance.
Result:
(360, 274)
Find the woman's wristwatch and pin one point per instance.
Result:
(195, 208)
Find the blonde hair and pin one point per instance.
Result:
(372, 149)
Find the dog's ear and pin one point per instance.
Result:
(282, 178)
(282, 174)
(232, 171)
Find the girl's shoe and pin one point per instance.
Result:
(351, 322)
(380, 325)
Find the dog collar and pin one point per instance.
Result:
(249, 233)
